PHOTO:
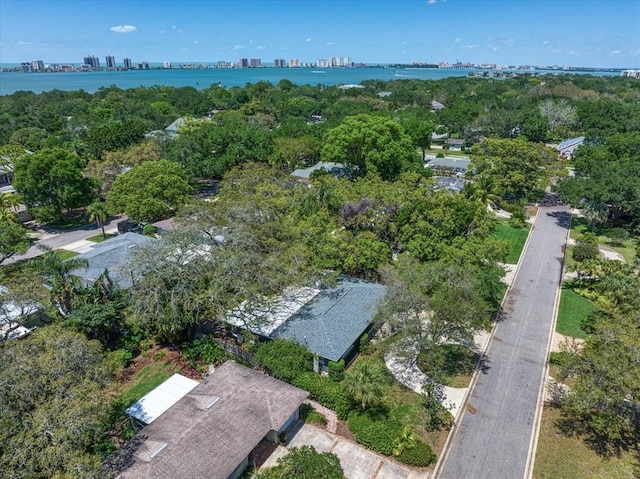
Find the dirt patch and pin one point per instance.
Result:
(566, 343)
(342, 429)
(470, 408)
(162, 353)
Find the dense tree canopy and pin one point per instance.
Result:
(51, 180)
(373, 144)
(150, 191)
(53, 402)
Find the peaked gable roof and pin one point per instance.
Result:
(335, 318)
(570, 142)
(211, 430)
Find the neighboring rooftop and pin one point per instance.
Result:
(452, 184)
(436, 105)
(212, 429)
(336, 169)
(570, 142)
(458, 164)
(112, 254)
(158, 401)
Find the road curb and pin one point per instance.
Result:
(537, 420)
(463, 407)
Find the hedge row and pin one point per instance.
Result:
(327, 392)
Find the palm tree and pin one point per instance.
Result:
(365, 382)
(64, 285)
(9, 203)
(98, 212)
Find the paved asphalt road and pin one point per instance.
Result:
(59, 239)
(494, 436)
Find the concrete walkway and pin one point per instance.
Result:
(496, 434)
(356, 461)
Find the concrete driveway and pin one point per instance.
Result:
(357, 462)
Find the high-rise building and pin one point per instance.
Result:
(143, 66)
(254, 62)
(92, 61)
(37, 65)
(127, 63)
(279, 63)
(323, 63)
(166, 64)
(111, 61)
(294, 62)
(243, 63)
(26, 67)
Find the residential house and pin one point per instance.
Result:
(329, 321)
(455, 164)
(436, 105)
(449, 183)
(212, 430)
(568, 147)
(336, 169)
(113, 255)
(454, 144)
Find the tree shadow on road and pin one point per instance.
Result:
(563, 218)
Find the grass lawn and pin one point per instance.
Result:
(573, 309)
(579, 226)
(560, 457)
(99, 238)
(147, 379)
(66, 254)
(516, 237)
(455, 362)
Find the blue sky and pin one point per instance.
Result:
(538, 32)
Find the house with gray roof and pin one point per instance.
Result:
(455, 164)
(211, 431)
(113, 255)
(336, 169)
(568, 147)
(329, 321)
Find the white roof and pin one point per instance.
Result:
(152, 405)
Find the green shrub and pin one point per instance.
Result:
(585, 249)
(420, 455)
(327, 392)
(518, 218)
(284, 359)
(149, 230)
(559, 358)
(336, 370)
(205, 350)
(363, 343)
(120, 358)
(158, 355)
(440, 155)
(377, 432)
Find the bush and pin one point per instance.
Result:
(583, 251)
(205, 350)
(327, 392)
(440, 155)
(559, 358)
(419, 455)
(149, 230)
(375, 431)
(120, 358)
(363, 343)
(518, 218)
(336, 370)
(284, 359)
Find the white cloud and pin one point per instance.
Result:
(123, 29)
(431, 2)
(307, 40)
(615, 52)
(329, 44)
(546, 42)
(573, 52)
(196, 41)
(260, 47)
(238, 47)
(469, 47)
(403, 44)
(457, 40)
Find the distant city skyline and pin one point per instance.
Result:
(546, 32)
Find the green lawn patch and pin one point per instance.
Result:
(579, 226)
(516, 237)
(562, 457)
(147, 379)
(454, 362)
(573, 309)
(66, 254)
(100, 237)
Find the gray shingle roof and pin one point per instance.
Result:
(196, 441)
(112, 254)
(335, 318)
(333, 168)
(456, 164)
